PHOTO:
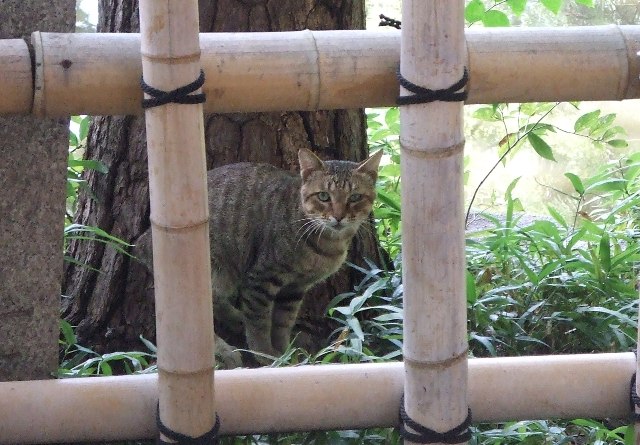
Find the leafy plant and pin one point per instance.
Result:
(79, 361)
(76, 167)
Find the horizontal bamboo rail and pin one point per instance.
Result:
(99, 74)
(16, 80)
(335, 397)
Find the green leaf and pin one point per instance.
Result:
(148, 344)
(517, 6)
(84, 128)
(105, 369)
(578, 186)
(613, 131)
(618, 143)
(486, 342)
(586, 121)
(472, 294)
(508, 192)
(540, 146)
(488, 114)
(604, 252)
(392, 116)
(588, 3)
(552, 5)
(91, 164)
(354, 324)
(474, 11)
(73, 139)
(67, 332)
(557, 216)
(608, 185)
(495, 18)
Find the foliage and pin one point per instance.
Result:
(492, 13)
(78, 361)
(77, 166)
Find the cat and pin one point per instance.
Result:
(274, 234)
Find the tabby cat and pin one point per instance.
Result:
(274, 234)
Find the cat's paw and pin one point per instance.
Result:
(227, 356)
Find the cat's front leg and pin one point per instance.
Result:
(285, 313)
(257, 310)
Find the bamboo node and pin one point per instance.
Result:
(208, 438)
(168, 228)
(458, 434)
(316, 86)
(435, 154)
(180, 95)
(172, 60)
(446, 363)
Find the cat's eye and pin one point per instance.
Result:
(324, 196)
(355, 197)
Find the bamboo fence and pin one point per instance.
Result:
(433, 258)
(307, 70)
(179, 219)
(335, 397)
(98, 74)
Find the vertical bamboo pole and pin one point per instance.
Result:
(432, 141)
(635, 408)
(179, 217)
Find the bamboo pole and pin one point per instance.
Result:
(432, 143)
(335, 397)
(344, 69)
(179, 219)
(636, 387)
(15, 77)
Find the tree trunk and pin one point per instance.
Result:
(113, 307)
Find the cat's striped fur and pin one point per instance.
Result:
(275, 233)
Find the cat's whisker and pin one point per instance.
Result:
(311, 226)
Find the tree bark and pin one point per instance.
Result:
(114, 306)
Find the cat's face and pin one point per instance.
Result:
(337, 195)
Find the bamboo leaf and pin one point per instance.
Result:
(486, 342)
(67, 332)
(604, 252)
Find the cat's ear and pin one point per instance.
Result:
(309, 163)
(370, 166)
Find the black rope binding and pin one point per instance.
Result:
(423, 95)
(422, 434)
(388, 21)
(181, 95)
(208, 438)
